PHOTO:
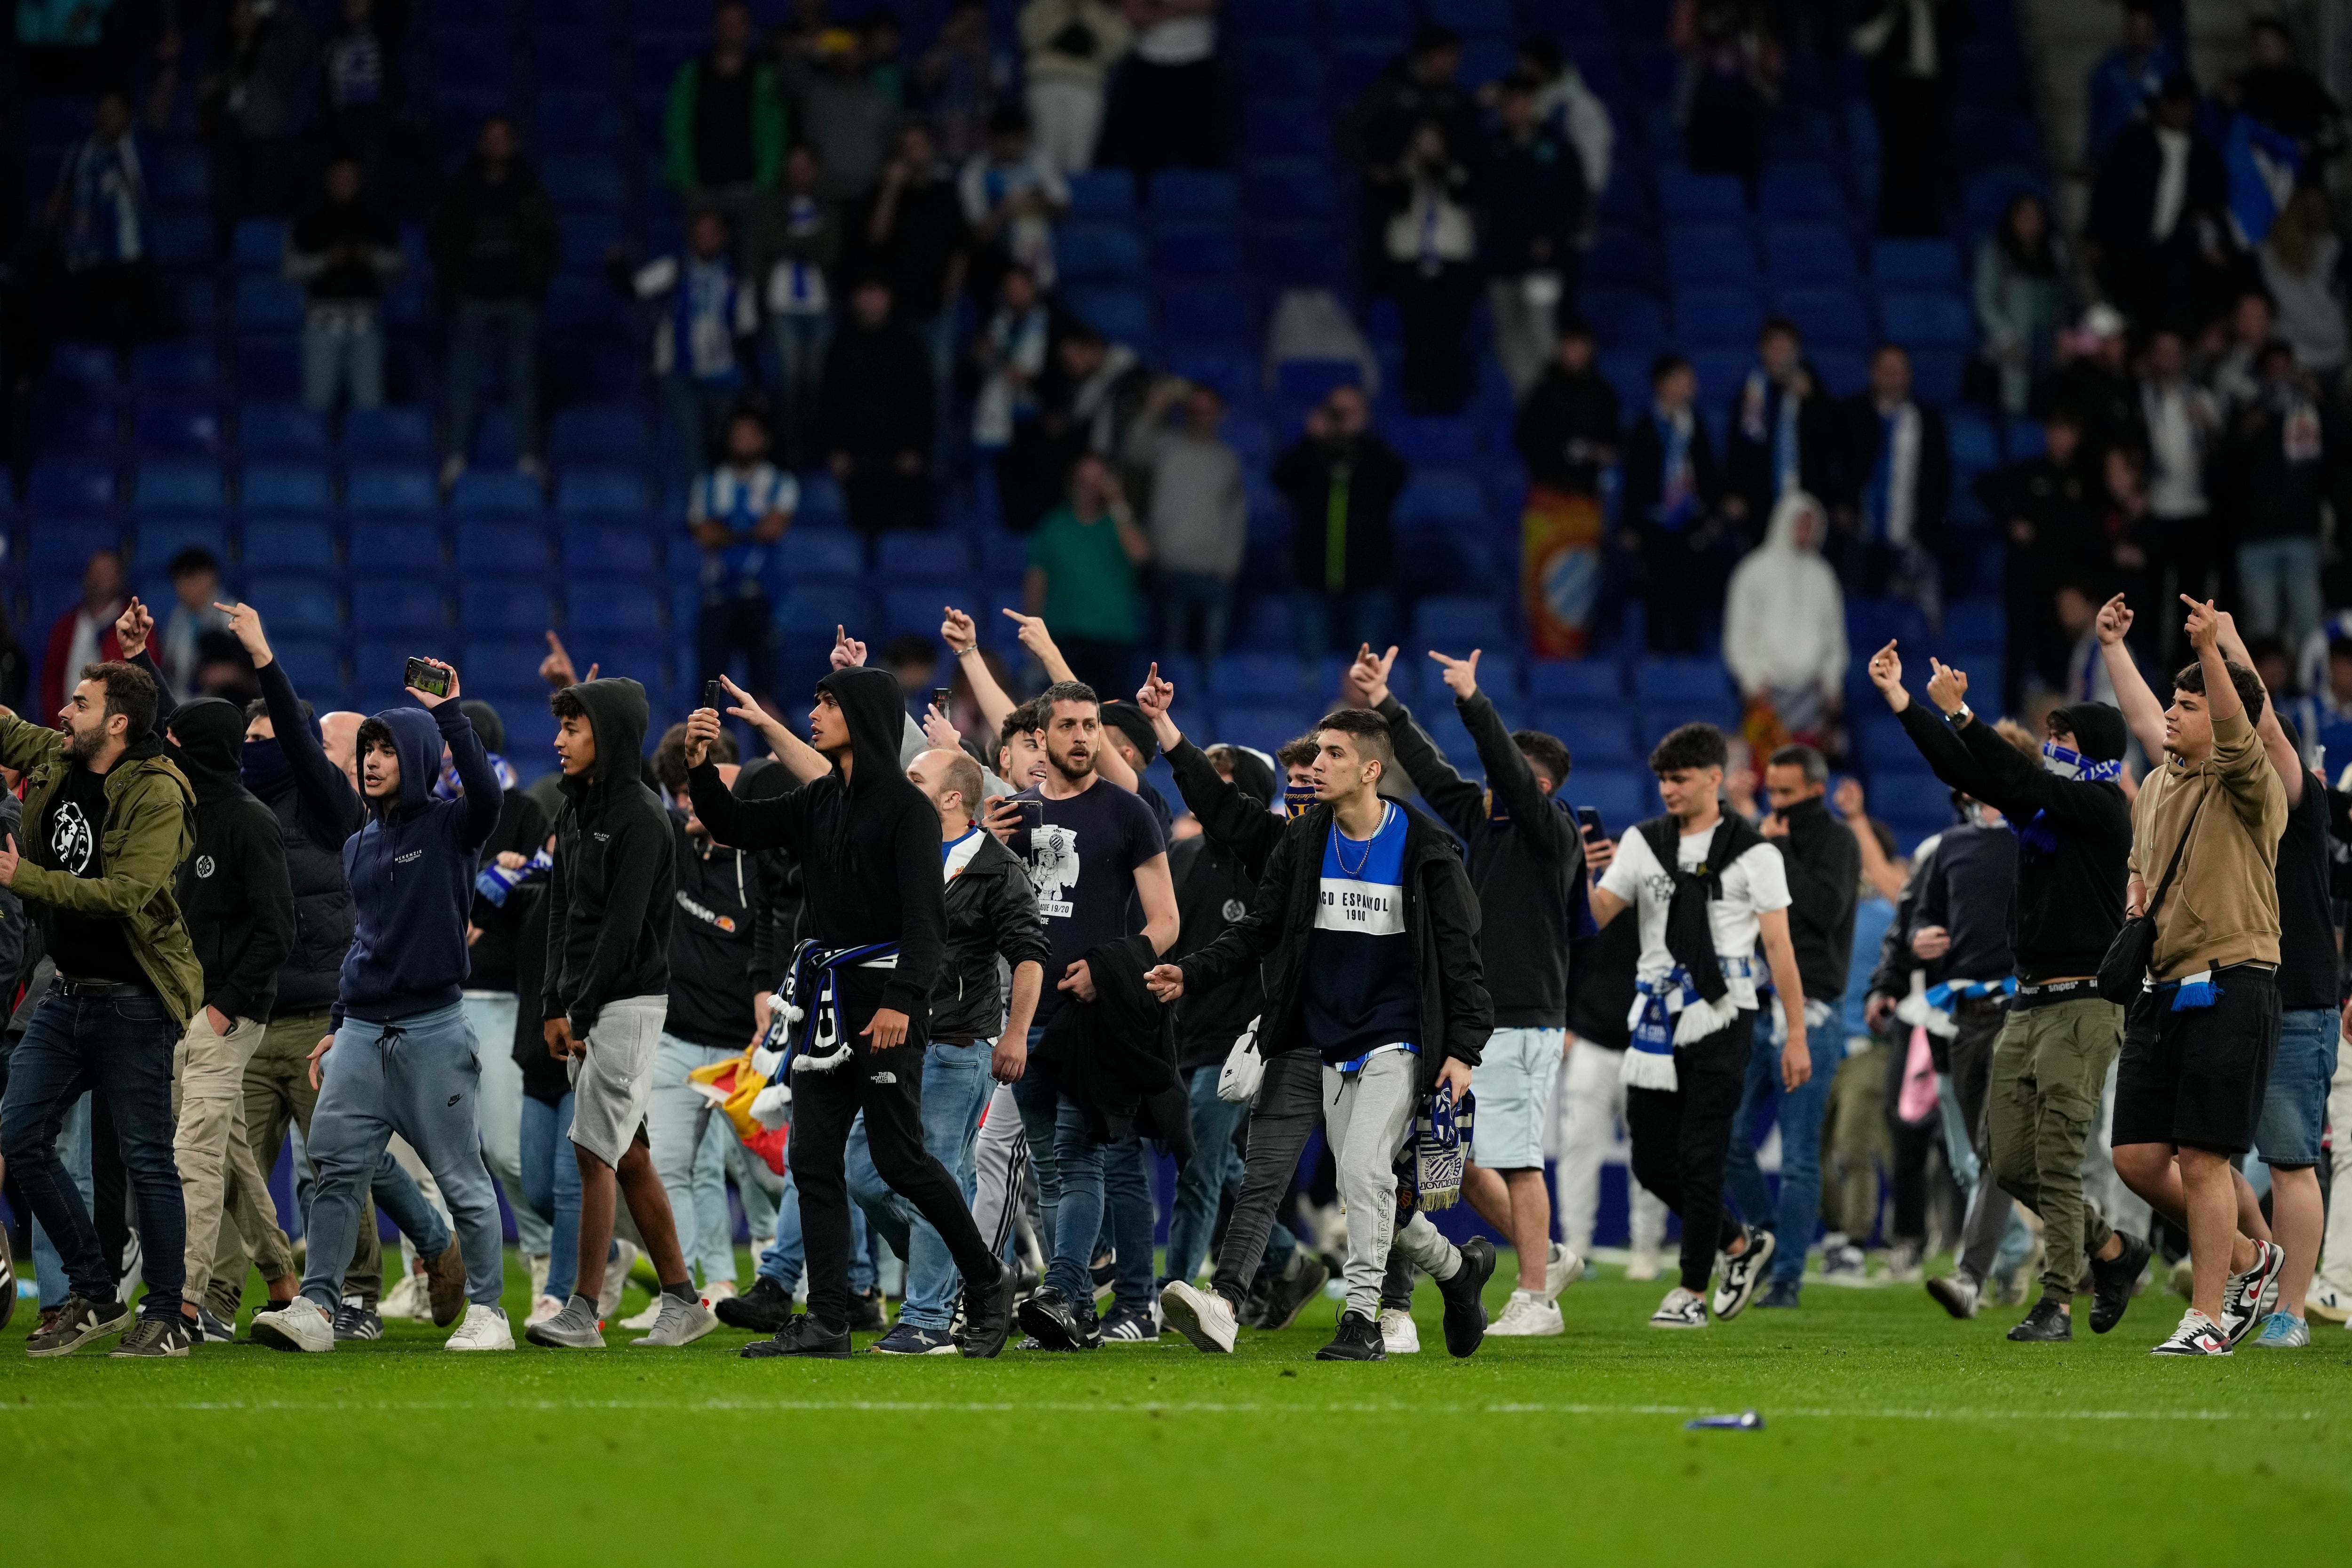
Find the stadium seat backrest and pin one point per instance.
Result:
(821, 554)
(285, 486)
(276, 546)
(501, 548)
(390, 488)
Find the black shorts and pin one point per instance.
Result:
(2198, 1077)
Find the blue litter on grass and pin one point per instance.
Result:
(1745, 1421)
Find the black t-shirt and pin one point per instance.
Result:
(2306, 973)
(723, 155)
(1082, 867)
(86, 947)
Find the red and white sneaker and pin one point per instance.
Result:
(2249, 1298)
(2197, 1335)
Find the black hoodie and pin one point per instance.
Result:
(868, 847)
(232, 891)
(1823, 863)
(1216, 882)
(613, 893)
(522, 828)
(317, 809)
(713, 941)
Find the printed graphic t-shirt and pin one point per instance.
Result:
(87, 947)
(1755, 882)
(1082, 868)
(1361, 990)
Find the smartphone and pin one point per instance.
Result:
(429, 679)
(942, 697)
(1588, 822)
(1033, 814)
(711, 694)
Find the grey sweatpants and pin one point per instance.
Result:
(1366, 1114)
(419, 1077)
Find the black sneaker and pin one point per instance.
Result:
(1465, 1301)
(988, 1315)
(1105, 1275)
(1359, 1338)
(155, 1336)
(1288, 1297)
(806, 1336)
(1252, 1314)
(1960, 1293)
(1739, 1275)
(1779, 1293)
(905, 1339)
(356, 1320)
(1048, 1318)
(2047, 1324)
(865, 1313)
(77, 1322)
(212, 1329)
(1130, 1329)
(765, 1307)
(2112, 1281)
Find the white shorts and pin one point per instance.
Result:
(613, 1080)
(1516, 1083)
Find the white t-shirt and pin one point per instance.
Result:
(1755, 882)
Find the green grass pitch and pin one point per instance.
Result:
(1893, 1436)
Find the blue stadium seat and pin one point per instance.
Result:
(609, 608)
(86, 368)
(1974, 624)
(72, 488)
(1440, 441)
(627, 551)
(1976, 446)
(1844, 370)
(1720, 369)
(397, 608)
(170, 429)
(1232, 371)
(1441, 499)
(178, 239)
(1266, 727)
(163, 535)
(288, 546)
(502, 605)
(1936, 374)
(390, 432)
(315, 664)
(1625, 318)
(177, 176)
(187, 368)
(395, 546)
(496, 492)
(601, 489)
(596, 433)
(258, 244)
(1709, 253)
(1197, 250)
(66, 547)
(1914, 263)
(1101, 192)
(512, 550)
(1594, 739)
(1197, 313)
(1263, 679)
(909, 612)
(818, 554)
(1458, 623)
(1911, 796)
(268, 301)
(497, 663)
(1800, 192)
(576, 183)
(1688, 680)
(390, 487)
(1308, 381)
(1918, 320)
(1808, 253)
(1490, 16)
(1290, 187)
(822, 502)
(285, 486)
(1577, 681)
(299, 605)
(1827, 317)
(1297, 256)
(1098, 252)
(1120, 314)
(1717, 315)
(1687, 196)
(1621, 256)
(940, 557)
(809, 611)
(1194, 191)
(281, 430)
(1621, 795)
(86, 431)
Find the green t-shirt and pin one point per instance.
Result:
(1090, 582)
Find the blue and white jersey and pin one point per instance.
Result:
(739, 498)
(1360, 989)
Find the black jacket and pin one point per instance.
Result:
(522, 828)
(1969, 888)
(1641, 470)
(494, 240)
(1116, 1055)
(877, 391)
(712, 945)
(2070, 899)
(1896, 961)
(1441, 913)
(232, 891)
(2123, 197)
(1566, 432)
(1601, 967)
(1861, 433)
(1215, 874)
(612, 897)
(868, 847)
(1531, 202)
(1525, 858)
(1352, 486)
(316, 810)
(1750, 439)
(1824, 864)
(991, 913)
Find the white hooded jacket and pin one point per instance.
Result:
(1784, 615)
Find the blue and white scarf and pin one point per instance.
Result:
(1430, 1167)
(496, 881)
(2190, 992)
(1942, 994)
(1670, 1012)
(1677, 503)
(805, 1025)
(449, 787)
(2064, 763)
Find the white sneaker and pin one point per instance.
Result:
(2330, 1300)
(1201, 1316)
(405, 1300)
(300, 1325)
(541, 1310)
(1528, 1315)
(2197, 1335)
(719, 1291)
(1400, 1335)
(1681, 1310)
(1561, 1270)
(537, 1263)
(481, 1329)
(647, 1319)
(616, 1280)
(1645, 1264)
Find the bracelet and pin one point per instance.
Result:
(967, 652)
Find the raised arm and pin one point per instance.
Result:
(485, 797)
(2143, 714)
(326, 790)
(962, 638)
(1945, 755)
(800, 760)
(2285, 759)
(1508, 773)
(1458, 803)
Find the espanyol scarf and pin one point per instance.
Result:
(2063, 764)
(1671, 1012)
(1430, 1167)
(805, 1026)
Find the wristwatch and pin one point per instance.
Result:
(1960, 718)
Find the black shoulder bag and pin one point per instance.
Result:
(2124, 968)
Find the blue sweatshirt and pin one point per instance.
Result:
(411, 870)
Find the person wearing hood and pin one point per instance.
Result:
(1784, 620)
(606, 995)
(402, 1057)
(868, 842)
(316, 808)
(2050, 1063)
(108, 820)
(240, 908)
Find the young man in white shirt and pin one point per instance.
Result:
(1695, 1008)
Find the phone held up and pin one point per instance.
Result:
(1588, 822)
(710, 696)
(942, 697)
(429, 679)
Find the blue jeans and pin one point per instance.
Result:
(2278, 580)
(73, 1148)
(2295, 1104)
(1128, 1212)
(1069, 1166)
(341, 351)
(1799, 1213)
(419, 1077)
(476, 324)
(799, 344)
(697, 417)
(787, 1256)
(1190, 599)
(677, 1117)
(122, 1045)
(1318, 618)
(397, 1197)
(956, 1087)
(551, 1180)
(1201, 1186)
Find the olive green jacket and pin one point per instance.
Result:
(150, 829)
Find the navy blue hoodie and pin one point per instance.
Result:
(411, 870)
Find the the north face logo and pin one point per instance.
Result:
(204, 865)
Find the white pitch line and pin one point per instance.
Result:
(1170, 1407)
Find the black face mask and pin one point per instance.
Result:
(265, 768)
